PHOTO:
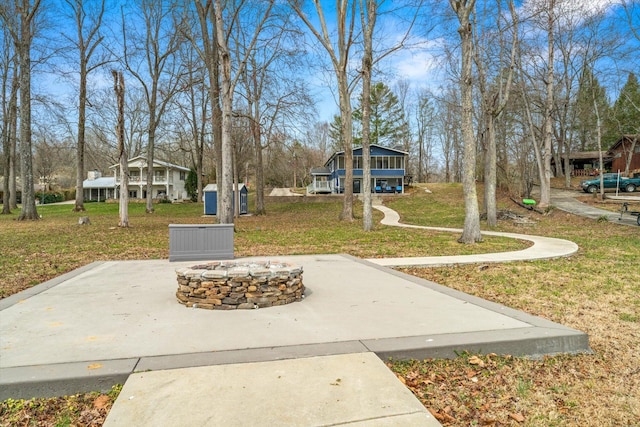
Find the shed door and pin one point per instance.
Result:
(244, 205)
(211, 203)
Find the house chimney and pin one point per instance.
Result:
(93, 175)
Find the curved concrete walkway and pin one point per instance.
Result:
(542, 248)
(566, 201)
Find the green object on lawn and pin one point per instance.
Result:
(528, 202)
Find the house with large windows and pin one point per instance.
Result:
(387, 172)
(168, 180)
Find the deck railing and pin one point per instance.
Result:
(320, 187)
(584, 172)
(136, 179)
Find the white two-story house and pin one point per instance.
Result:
(168, 179)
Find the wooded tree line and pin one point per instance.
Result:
(227, 87)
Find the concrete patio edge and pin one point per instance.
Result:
(544, 337)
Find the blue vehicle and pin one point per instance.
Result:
(612, 181)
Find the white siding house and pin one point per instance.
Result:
(98, 188)
(168, 179)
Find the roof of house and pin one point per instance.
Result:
(321, 171)
(587, 155)
(629, 137)
(372, 147)
(214, 187)
(141, 161)
(103, 182)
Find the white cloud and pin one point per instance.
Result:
(413, 65)
(571, 10)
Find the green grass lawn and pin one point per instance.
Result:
(35, 251)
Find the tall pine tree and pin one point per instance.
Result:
(624, 118)
(388, 122)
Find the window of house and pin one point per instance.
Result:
(340, 162)
(183, 175)
(133, 194)
(357, 162)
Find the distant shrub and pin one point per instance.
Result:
(50, 197)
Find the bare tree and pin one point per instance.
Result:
(545, 165)
(209, 55)
(494, 98)
(86, 42)
(22, 38)
(157, 72)
(471, 231)
(228, 83)
(195, 113)
(339, 55)
(9, 95)
(368, 16)
(271, 86)
(448, 120)
(424, 117)
(118, 87)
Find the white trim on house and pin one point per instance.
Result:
(97, 188)
(168, 179)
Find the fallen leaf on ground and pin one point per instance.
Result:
(475, 360)
(101, 401)
(518, 417)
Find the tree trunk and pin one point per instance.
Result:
(118, 85)
(367, 216)
(206, 14)
(567, 169)
(347, 135)
(490, 175)
(471, 231)
(6, 164)
(225, 186)
(599, 143)
(368, 18)
(151, 142)
(9, 148)
(632, 149)
(86, 47)
(26, 13)
(82, 104)
(545, 179)
(13, 129)
(256, 133)
(200, 157)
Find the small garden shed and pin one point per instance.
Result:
(210, 198)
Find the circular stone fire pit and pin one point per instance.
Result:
(232, 285)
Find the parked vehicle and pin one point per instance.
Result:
(611, 180)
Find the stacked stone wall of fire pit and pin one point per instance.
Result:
(238, 285)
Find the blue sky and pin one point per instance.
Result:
(421, 64)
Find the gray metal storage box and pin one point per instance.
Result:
(198, 242)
